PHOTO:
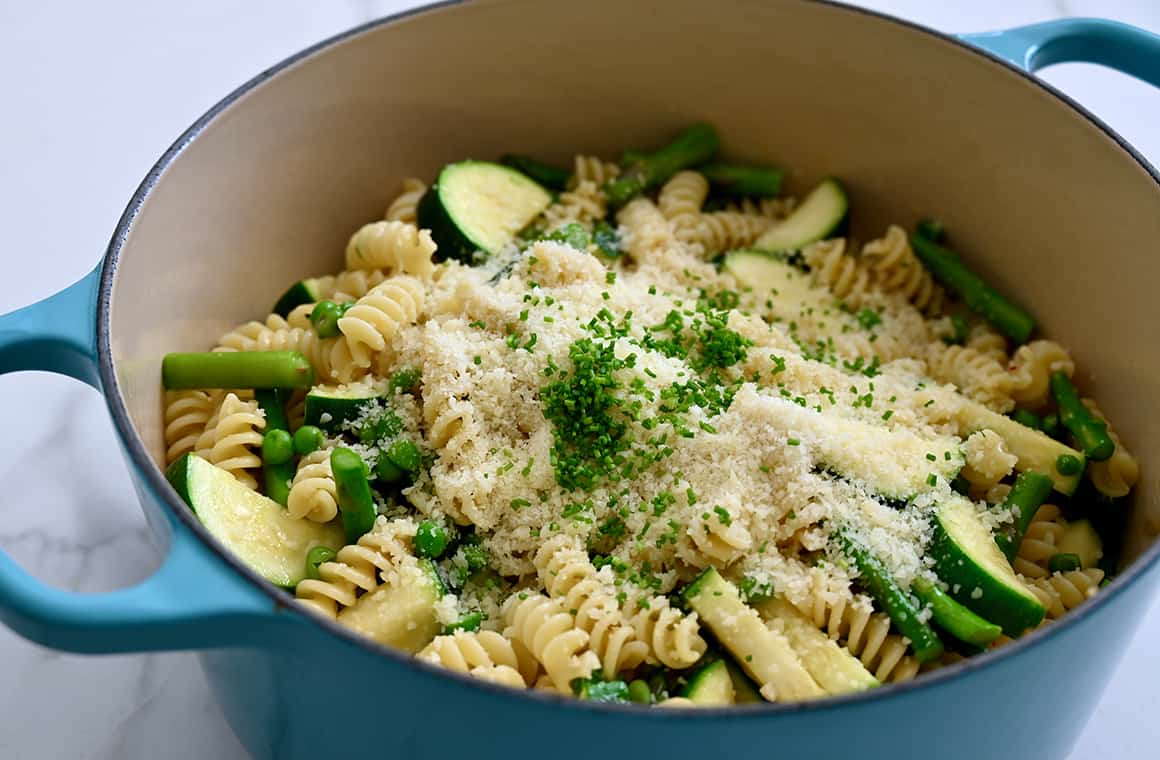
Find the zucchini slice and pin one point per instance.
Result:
(475, 208)
(710, 686)
(764, 654)
(744, 690)
(255, 528)
(303, 291)
(818, 216)
(832, 666)
(1036, 451)
(1081, 539)
(979, 576)
(401, 612)
(329, 406)
(789, 290)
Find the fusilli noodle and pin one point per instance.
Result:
(719, 231)
(680, 201)
(358, 567)
(584, 204)
(232, 436)
(1117, 475)
(1031, 369)
(1061, 592)
(592, 169)
(713, 541)
(403, 207)
(376, 317)
(842, 274)
(313, 494)
(987, 460)
(186, 415)
(484, 654)
(348, 285)
(550, 634)
(673, 637)
(986, 341)
(1040, 542)
(976, 375)
(397, 247)
(898, 270)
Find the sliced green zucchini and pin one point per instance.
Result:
(475, 208)
(789, 290)
(832, 666)
(818, 216)
(303, 291)
(710, 685)
(255, 528)
(764, 654)
(329, 406)
(1035, 451)
(744, 690)
(978, 575)
(1081, 539)
(401, 612)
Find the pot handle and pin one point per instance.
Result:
(1125, 48)
(194, 600)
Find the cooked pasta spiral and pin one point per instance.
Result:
(774, 208)
(296, 409)
(720, 231)
(397, 247)
(842, 274)
(358, 567)
(584, 204)
(485, 655)
(1062, 592)
(866, 633)
(680, 201)
(231, 437)
(313, 494)
(898, 270)
(1040, 542)
(710, 541)
(592, 169)
(187, 413)
(404, 206)
(986, 341)
(1031, 369)
(278, 334)
(551, 635)
(1115, 476)
(673, 637)
(348, 285)
(648, 236)
(976, 375)
(987, 460)
(567, 574)
(376, 317)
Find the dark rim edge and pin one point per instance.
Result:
(284, 601)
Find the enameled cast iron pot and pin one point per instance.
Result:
(1046, 202)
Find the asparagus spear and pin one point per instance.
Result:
(1091, 433)
(695, 145)
(551, 177)
(739, 181)
(237, 369)
(948, 269)
(1031, 489)
(956, 619)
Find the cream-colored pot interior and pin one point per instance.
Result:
(1039, 199)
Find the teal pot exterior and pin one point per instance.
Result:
(295, 687)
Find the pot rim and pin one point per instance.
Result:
(281, 599)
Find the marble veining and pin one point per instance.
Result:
(85, 118)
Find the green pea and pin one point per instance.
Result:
(307, 439)
(316, 557)
(404, 454)
(325, 318)
(405, 379)
(476, 557)
(430, 539)
(387, 471)
(639, 692)
(277, 447)
(469, 622)
(1067, 464)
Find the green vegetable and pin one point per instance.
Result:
(476, 556)
(1031, 489)
(961, 329)
(1081, 539)
(1051, 424)
(469, 622)
(695, 145)
(597, 689)
(431, 539)
(387, 471)
(316, 557)
(301, 292)
(741, 181)
(949, 269)
(1066, 464)
(330, 407)
(277, 447)
(355, 502)
(818, 216)
(931, 229)
(308, 439)
(325, 318)
(710, 685)
(405, 380)
(572, 234)
(1064, 562)
(405, 455)
(953, 617)
(898, 604)
(831, 665)
(639, 692)
(551, 177)
(1027, 418)
(476, 208)
(1091, 433)
(607, 239)
(400, 613)
(237, 369)
(272, 543)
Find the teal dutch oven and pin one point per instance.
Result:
(1047, 201)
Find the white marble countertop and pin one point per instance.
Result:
(93, 93)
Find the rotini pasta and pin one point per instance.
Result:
(584, 204)
(232, 436)
(1040, 542)
(403, 207)
(719, 231)
(377, 316)
(841, 273)
(1062, 592)
(673, 637)
(548, 631)
(680, 201)
(349, 285)
(592, 169)
(313, 494)
(898, 270)
(358, 568)
(987, 460)
(397, 247)
(715, 540)
(186, 415)
(485, 655)
(976, 375)
(1031, 369)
